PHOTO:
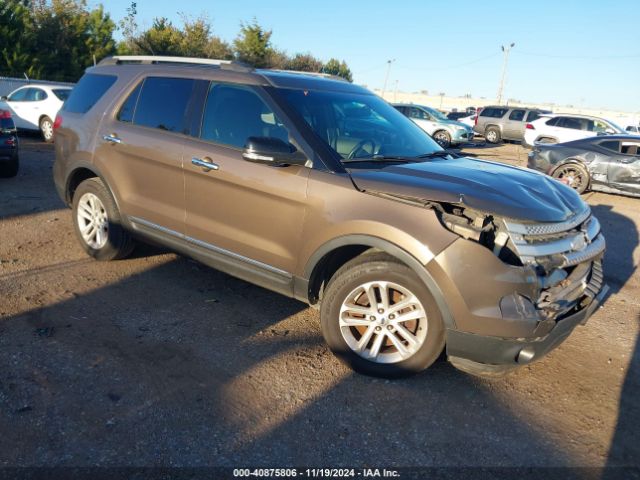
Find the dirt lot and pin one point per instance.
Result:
(157, 360)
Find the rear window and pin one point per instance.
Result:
(533, 115)
(62, 93)
(88, 92)
(162, 103)
(494, 112)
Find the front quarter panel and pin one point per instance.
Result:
(337, 209)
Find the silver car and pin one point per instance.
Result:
(444, 131)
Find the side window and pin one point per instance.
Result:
(129, 106)
(419, 114)
(19, 95)
(612, 145)
(486, 112)
(37, 95)
(87, 92)
(162, 103)
(570, 122)
(553, 122)
(630, 148)
(599, 126)
(234, 113)
(517, 115)
(532, 115)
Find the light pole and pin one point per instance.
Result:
(395, 92)
(386, 77)
(506, 51)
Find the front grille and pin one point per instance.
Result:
(561, 244)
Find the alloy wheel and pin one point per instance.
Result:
(92, 221)
(383, 322)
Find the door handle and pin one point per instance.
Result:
(111, 139)
(205, 163)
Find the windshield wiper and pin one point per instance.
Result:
(439, 153)
(380, 158)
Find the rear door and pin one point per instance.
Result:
(245, 213)
(139, 150)
(513, 128)
(573, 128)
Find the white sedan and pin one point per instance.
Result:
(34, 107)
(562, 128)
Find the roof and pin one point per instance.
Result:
(276, 78)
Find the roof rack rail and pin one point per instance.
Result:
(313, 74)
(159, 59)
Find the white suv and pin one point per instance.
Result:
(560, 128)
(34, 107)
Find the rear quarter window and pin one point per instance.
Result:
(494, 112)
(88, 92)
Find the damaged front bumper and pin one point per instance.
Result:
(511, 312)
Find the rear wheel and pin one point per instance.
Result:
(10, 168)
(573, 175)
(378, 317)
(442, 138)
(98, 223)
(492, 135)
(46, 129)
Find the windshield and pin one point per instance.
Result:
(360, 126)
(437, 114)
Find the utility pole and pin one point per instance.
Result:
(386, 77)
(506, 51)
(395, 92)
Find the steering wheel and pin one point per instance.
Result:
(359, 145)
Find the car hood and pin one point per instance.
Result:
(487, 186)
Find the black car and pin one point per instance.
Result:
(606, 163)
(9, 157)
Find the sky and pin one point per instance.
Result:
(582, 53)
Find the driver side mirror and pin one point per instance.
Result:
(609, 131)
(4, 98)
(272, 151)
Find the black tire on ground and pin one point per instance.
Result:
(492, 135)
(46, 129)
(119, 243)
(9, 168)
(380, 267)
(574, 175)
(442, 138)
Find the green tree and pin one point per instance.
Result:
(253, 45)
(100, 28)
(17, 40)
(161, 39)
(304, 62)
(335, 67)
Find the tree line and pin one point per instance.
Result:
(59, 39)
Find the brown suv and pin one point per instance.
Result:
(320, 190)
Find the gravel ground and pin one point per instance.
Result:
(160, 361)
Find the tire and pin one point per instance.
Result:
(46, 129)
(492, 135)
(574, 175)
(95, 213)
(10, 169)
(345, 301)
(442, 138)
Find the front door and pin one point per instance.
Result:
(514, 126)
(624, 170)
(245, 212)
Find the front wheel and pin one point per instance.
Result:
(442, 138)
(98, 223)
(46, 129)
(574, 175)
(379, 318)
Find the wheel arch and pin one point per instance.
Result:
(328, 258)
(79, 174)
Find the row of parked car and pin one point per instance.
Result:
(583, 151)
